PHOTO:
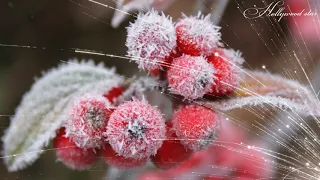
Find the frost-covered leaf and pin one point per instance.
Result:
(258, 88)
(42, 109)
(125, 7)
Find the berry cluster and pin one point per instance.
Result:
(130, 134)
(188, 54)
(127, 134)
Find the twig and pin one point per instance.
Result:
(215, 7)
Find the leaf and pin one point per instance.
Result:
(125, 7)
(42, 109)
(258, 89)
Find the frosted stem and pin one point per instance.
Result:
(215, 7)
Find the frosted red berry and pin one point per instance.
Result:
(71, 155)
(172, 153)
(151, 38)
(113, 159)
(190, 76)
(113, 94)
(136, 130)
(227, 64)
(87, 120)
(196, 126)
(196, 35)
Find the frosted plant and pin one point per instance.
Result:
(129, 6)
(117, 120)
(191, 82)
(197, 35)
(42, 109)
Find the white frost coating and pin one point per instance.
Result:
(235, 57)
(136, 89)
(276, 91)
(199, 30)
(136, 130)
(87, 119)
(191, 76)
(150, 39)
(42, 110)
(127, 6)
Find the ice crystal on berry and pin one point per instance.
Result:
(136, 129)
(191, 76)
(151, 38)
(197, 35)
(88, 116)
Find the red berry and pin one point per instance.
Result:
(113, 159)
(71, 155)
(197, 162)
(87, 120)
(196, 125)
(190, 76)
(197, 35)
(151, 38)
(113, 94)
(155, 72)
(136, 130)
(227, 64)
(172, 153)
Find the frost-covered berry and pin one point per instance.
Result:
(196, 35)
(136, 130)
(87, 120)
(172, 153)
(113, 93)
(71, 155)
(113, 159)
(196, 126)
(151, 38)
(190, 76)
(227, 64)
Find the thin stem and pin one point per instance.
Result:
(215, 7)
